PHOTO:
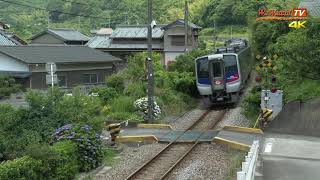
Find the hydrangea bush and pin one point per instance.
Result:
(142, 106)
(88, 142)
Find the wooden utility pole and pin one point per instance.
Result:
(149, 64)
(186, 15)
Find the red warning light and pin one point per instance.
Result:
(258, 79)
(274, 90)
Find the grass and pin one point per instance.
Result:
(303, 90)
(235, 163)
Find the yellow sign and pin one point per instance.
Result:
(297, 24)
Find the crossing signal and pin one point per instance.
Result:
(114, 130)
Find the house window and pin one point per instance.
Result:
(180, 40)
(62, 81)
(90, 78)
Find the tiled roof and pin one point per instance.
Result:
(57, 54)
(136, 32)
(5, 40)
(313, 7)
(105, 42)
(64, 34)
(181, 23)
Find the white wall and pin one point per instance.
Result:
(171, 56)
(10, 64)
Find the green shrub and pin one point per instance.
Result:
(123, 116)
(116, 81)
(122, 104)
(66, 165)
(135, 89)
(88, 144)
(106, 94)
(58, 161)
(24, 168)
(184, 82)
(251, 105)
(8, 86)
(170, 101)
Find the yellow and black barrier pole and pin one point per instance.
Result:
(114, 130)
(264, 118)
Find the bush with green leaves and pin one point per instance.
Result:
(122, 109)
(115, 81)
(8, 86)
(106, 94)
(59, 161)
(88, 144)
(251, 105)
(21, 168)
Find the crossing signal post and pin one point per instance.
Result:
(149, 64)
(114, 130)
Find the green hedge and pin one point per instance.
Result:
(59, 161)
(24, 168)
(8, 86)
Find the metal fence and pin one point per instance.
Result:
(249, 165)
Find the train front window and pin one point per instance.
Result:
(202, 68)
(216, 69)
(231, 68)
(230, 63)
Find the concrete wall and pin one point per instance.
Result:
(46, 39)
(10, 64)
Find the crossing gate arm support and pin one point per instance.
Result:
(155, 126)
(147, 138)
(232, 144)
(243, 129)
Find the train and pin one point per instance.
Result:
(221, 76)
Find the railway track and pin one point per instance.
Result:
(161, 165)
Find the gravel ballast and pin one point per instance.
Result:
(189, 118)
(206, 161)
(130, 159)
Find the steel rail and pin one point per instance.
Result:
(219, 118)
(141, 168)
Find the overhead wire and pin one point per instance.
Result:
(50, 10)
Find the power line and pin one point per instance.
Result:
(73, 2)
(44, 9)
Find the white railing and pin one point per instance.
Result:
(249, 165)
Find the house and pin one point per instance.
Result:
(3, 26)
(76, 65)
(168, 40)
(59, 36)
(102, 31)
(15, 38)
(6, 41)
(9, 38)
(312, 6)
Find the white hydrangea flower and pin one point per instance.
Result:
(142, 105)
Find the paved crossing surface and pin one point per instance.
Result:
(290, 157)
(167, 135)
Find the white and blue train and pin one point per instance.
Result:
(221, 76)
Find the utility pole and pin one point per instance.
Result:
(149, 64)
(186, 14)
